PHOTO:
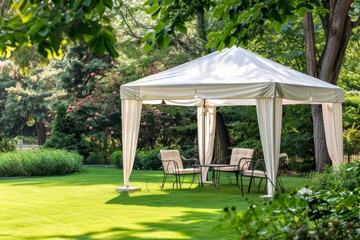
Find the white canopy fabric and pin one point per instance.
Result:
(233, 77)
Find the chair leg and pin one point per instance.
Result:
(280, 183)
(163, 181)
(193, 179)
(242, 186)
(251, 179)
(178, 182)
(237, 178)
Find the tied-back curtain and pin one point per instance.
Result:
(131, 114)
(332, 115)
(206, 118)
(269, 114)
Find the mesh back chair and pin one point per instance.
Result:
(257, 169)
(239, 160)
(173, 164)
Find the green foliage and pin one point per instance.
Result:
(167, 126)
(149, 160)
(9, 76)
(347, 177)
(145, 160)
(49, 23)
(243, 127)
(297, 132)
(242, 19)
(67, 133)
(39, 162)
(95, 158)
(351, 123)
(83, 71)
(5, 144)
(304, 166)
(116, 158)
(300, 215)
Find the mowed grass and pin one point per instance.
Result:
(86, 206)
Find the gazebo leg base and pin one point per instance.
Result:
(267, 197)
(127, 189)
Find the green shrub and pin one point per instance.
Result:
(145, 160)
(149, 159)
(304, 166)
(116, 159)
(95, 158)
(346, 177)
(67, 133)
(300, 215)
(5, 144)
(39, 162)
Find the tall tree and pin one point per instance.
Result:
(338, 26)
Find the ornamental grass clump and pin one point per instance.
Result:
(39, 162)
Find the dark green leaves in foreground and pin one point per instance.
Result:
(49, 24)
(300, 215)
(241, 19)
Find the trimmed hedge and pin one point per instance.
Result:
(39, 162)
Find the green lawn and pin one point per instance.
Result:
(86, 206)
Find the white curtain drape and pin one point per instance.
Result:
(332, 115)
(269, 114)
(131, 114)
(206, 121)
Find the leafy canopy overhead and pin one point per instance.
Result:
(242, 19)
(50, 23)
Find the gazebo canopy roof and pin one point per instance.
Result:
(232, 75)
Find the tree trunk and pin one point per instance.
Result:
(222, 139)
(41, 133)
(337, 27)
(321, 153)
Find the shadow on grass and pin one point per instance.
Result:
(186, 226)
(194, 198)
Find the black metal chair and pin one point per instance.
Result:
(257, 169)
(173, 164)
(239, 157)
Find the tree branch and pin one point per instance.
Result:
(129, 31)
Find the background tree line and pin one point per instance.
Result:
(81, 89)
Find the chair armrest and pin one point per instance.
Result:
(189, 161)
(244, 163)
(259, 165)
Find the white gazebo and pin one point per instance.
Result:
(232, 77)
